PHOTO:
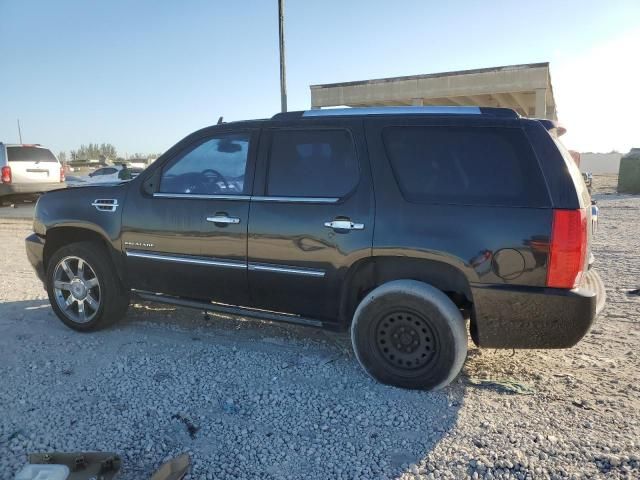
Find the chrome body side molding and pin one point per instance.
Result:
(214, 262)
(265, 267)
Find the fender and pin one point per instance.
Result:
(71, 214)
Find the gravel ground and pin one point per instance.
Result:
(250, 399)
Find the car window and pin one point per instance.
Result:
(109, 171)
(29, 154)
(465, 165)
(214, 167)
(312, 163)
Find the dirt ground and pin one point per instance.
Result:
(250, 399)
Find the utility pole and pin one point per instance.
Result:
(283, 72)
(19, 131)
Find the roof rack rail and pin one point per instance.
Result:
(399, 110)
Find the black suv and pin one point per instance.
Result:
(396, 223)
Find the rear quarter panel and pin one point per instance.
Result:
(488, 244)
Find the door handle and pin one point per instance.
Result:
(222, 218)
(344, 225)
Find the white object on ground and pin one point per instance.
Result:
(43, 472)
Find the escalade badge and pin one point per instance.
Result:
(139, 244)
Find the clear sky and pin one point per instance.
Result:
(142, 74)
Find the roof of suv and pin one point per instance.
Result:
(408, 110)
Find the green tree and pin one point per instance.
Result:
(93, 151)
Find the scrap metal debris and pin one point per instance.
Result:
(505, 386)
(82, 465)
(191, 427)
(174, 469)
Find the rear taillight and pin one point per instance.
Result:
(567, 249)
(62, 177)
(6, 174)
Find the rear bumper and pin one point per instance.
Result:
(35, 253)
(535, 317)
(28, 188)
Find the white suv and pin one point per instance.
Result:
(28, 170)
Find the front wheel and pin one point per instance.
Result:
(83, 287)
(409, 334)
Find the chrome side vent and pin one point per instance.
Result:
(105, 204)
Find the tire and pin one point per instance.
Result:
(429, 330)
(104, 299)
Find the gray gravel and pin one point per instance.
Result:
(250, 399)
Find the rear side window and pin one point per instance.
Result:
(465, 166)
(312, 163)
(29, 154)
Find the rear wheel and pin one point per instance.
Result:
(83, 287)
(409, 334)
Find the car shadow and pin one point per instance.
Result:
(245, 397)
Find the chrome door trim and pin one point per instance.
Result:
(201, 197)
(296, 199)
(264, 267)
(190, 260)
(257, 198)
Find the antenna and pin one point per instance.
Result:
(19, 131)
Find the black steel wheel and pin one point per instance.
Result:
(405, 339)
(409, 334)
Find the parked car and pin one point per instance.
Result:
(76, 181)
(28, 170)
(394, 223)
(112, 174)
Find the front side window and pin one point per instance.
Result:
(465, 166)
(312, 163)
(215, 167)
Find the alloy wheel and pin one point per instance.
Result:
(77, 289)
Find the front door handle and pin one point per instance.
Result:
(223, 218)
(344, 224)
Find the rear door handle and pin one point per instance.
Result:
(221, 218)
(344, 225)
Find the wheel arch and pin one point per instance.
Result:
(372, 272)
(61, 235)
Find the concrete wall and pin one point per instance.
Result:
(600, 162)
